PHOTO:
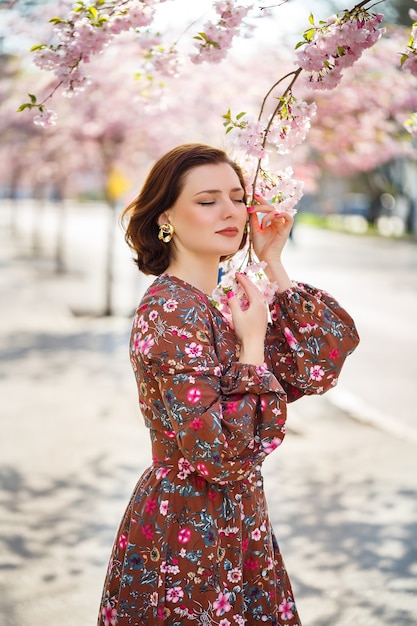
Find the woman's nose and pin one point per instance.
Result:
(230, 206)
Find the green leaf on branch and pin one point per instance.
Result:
(228, 119)
(40, 46)
(311, 18)
(92, 12)
(56, 20)
(403, 59)
(30, 105)
(309, 34)
(240, 115)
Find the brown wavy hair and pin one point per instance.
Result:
(160, 191)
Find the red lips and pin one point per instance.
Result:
(228, 232)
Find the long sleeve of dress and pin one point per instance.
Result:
(308, 341)
(223, 416)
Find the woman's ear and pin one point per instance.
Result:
(163, 218)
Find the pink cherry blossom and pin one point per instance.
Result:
(336, 44)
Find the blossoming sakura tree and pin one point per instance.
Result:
(325, 53)
(326, 50)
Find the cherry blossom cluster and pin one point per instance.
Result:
(280, 188)
(216, 38)
(283, 130)
(228, 283)
(330, 47)
(85, 32)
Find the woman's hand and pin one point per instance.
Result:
(250, 324)
(269, 236)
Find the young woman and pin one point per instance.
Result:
(195, 545)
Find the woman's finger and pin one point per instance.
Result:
(250, 288)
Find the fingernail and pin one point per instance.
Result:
(250, 209)
(277, 214)
(256, 195)
(230, 294)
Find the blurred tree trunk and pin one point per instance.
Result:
(61, 209)
(109, 267)
(38, 219)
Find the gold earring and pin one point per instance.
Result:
(166, 232)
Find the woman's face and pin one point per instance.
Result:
(209, 215)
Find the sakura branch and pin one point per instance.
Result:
(327, 48)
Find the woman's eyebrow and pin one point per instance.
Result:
(217, 190)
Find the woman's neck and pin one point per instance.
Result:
(201, 274)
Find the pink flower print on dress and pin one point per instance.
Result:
(234, 575)
(286, 608)
(142, 325)
(222, 604)
(170, 305)
(184, 535)
(143, 346)
(122, 542)
(163, 507)
(193, 395)
(109, 615)
(270, 446)
(151, 506)
(170, 434)
(251, 563)
(334, 354)
(292, 342)
(202, 469)
(185, 468)
(194, 350)
(174, 594)
(147, 531)
(316, 372)
(196, 424)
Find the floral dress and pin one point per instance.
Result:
(195, 545)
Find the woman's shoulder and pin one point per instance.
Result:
(170, 297)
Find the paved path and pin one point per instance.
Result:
(342, 494)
